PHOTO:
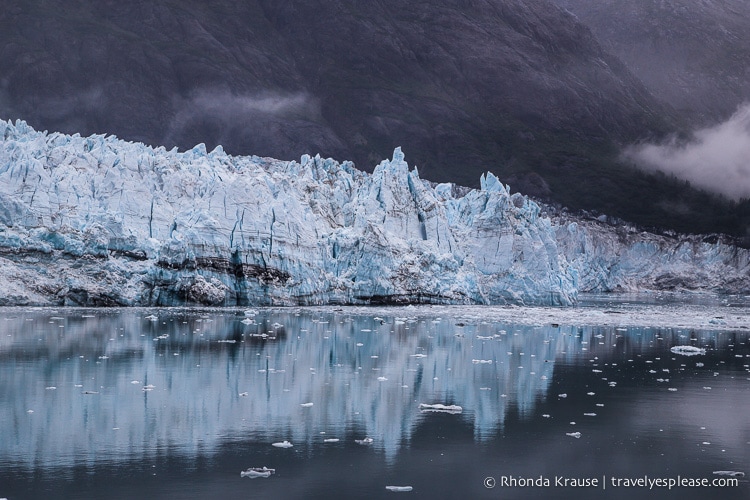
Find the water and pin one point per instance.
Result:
(114, 403)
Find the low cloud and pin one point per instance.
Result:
(230, 105)
(716, 158)
(227, 112)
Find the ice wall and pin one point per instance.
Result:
(99, 221)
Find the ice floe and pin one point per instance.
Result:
(441, 408)
(255, 472)
(282, 444)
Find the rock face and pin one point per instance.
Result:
(693, 55)
(99, 221)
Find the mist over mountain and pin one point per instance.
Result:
(520, 87)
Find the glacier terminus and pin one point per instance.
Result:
(96, 221)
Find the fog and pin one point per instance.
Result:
(715, 158)
(227, 110)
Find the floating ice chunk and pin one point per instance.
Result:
(481, 361)
(399, 488)
(418, 355)
(729, 473)
(699, 365)
(563, 395)
(282, 444)
(576, 435)
(589, 414)
(254, 472)
(365, 441)
(149, 387)
(441, 408)
(673, 389)
(152, 318)
(50, 388)
(546, 415)
(688, 350)
(590, 393)
(331, 440)
(306, 405)
(247, 321)
(250, 312)
(382, 379)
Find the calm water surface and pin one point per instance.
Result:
(175, 403)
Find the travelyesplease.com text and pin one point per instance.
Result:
(605, 482)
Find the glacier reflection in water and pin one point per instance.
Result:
(85, 387)
(127, 384)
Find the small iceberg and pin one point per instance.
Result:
(364, 441)
(250, 312)
(688, 350)
(441, 408)
(306, 405)
(254, 472)
(283, 444)
(331, 440)
(576, 435)
(399, 488)
(482, 361)
(247, 321)
(152, 318)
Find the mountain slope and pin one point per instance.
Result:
(693, 55)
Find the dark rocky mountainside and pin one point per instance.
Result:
(518, 87)
(694, 55)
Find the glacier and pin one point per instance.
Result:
(97, 221)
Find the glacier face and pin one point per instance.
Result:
(99, 221)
